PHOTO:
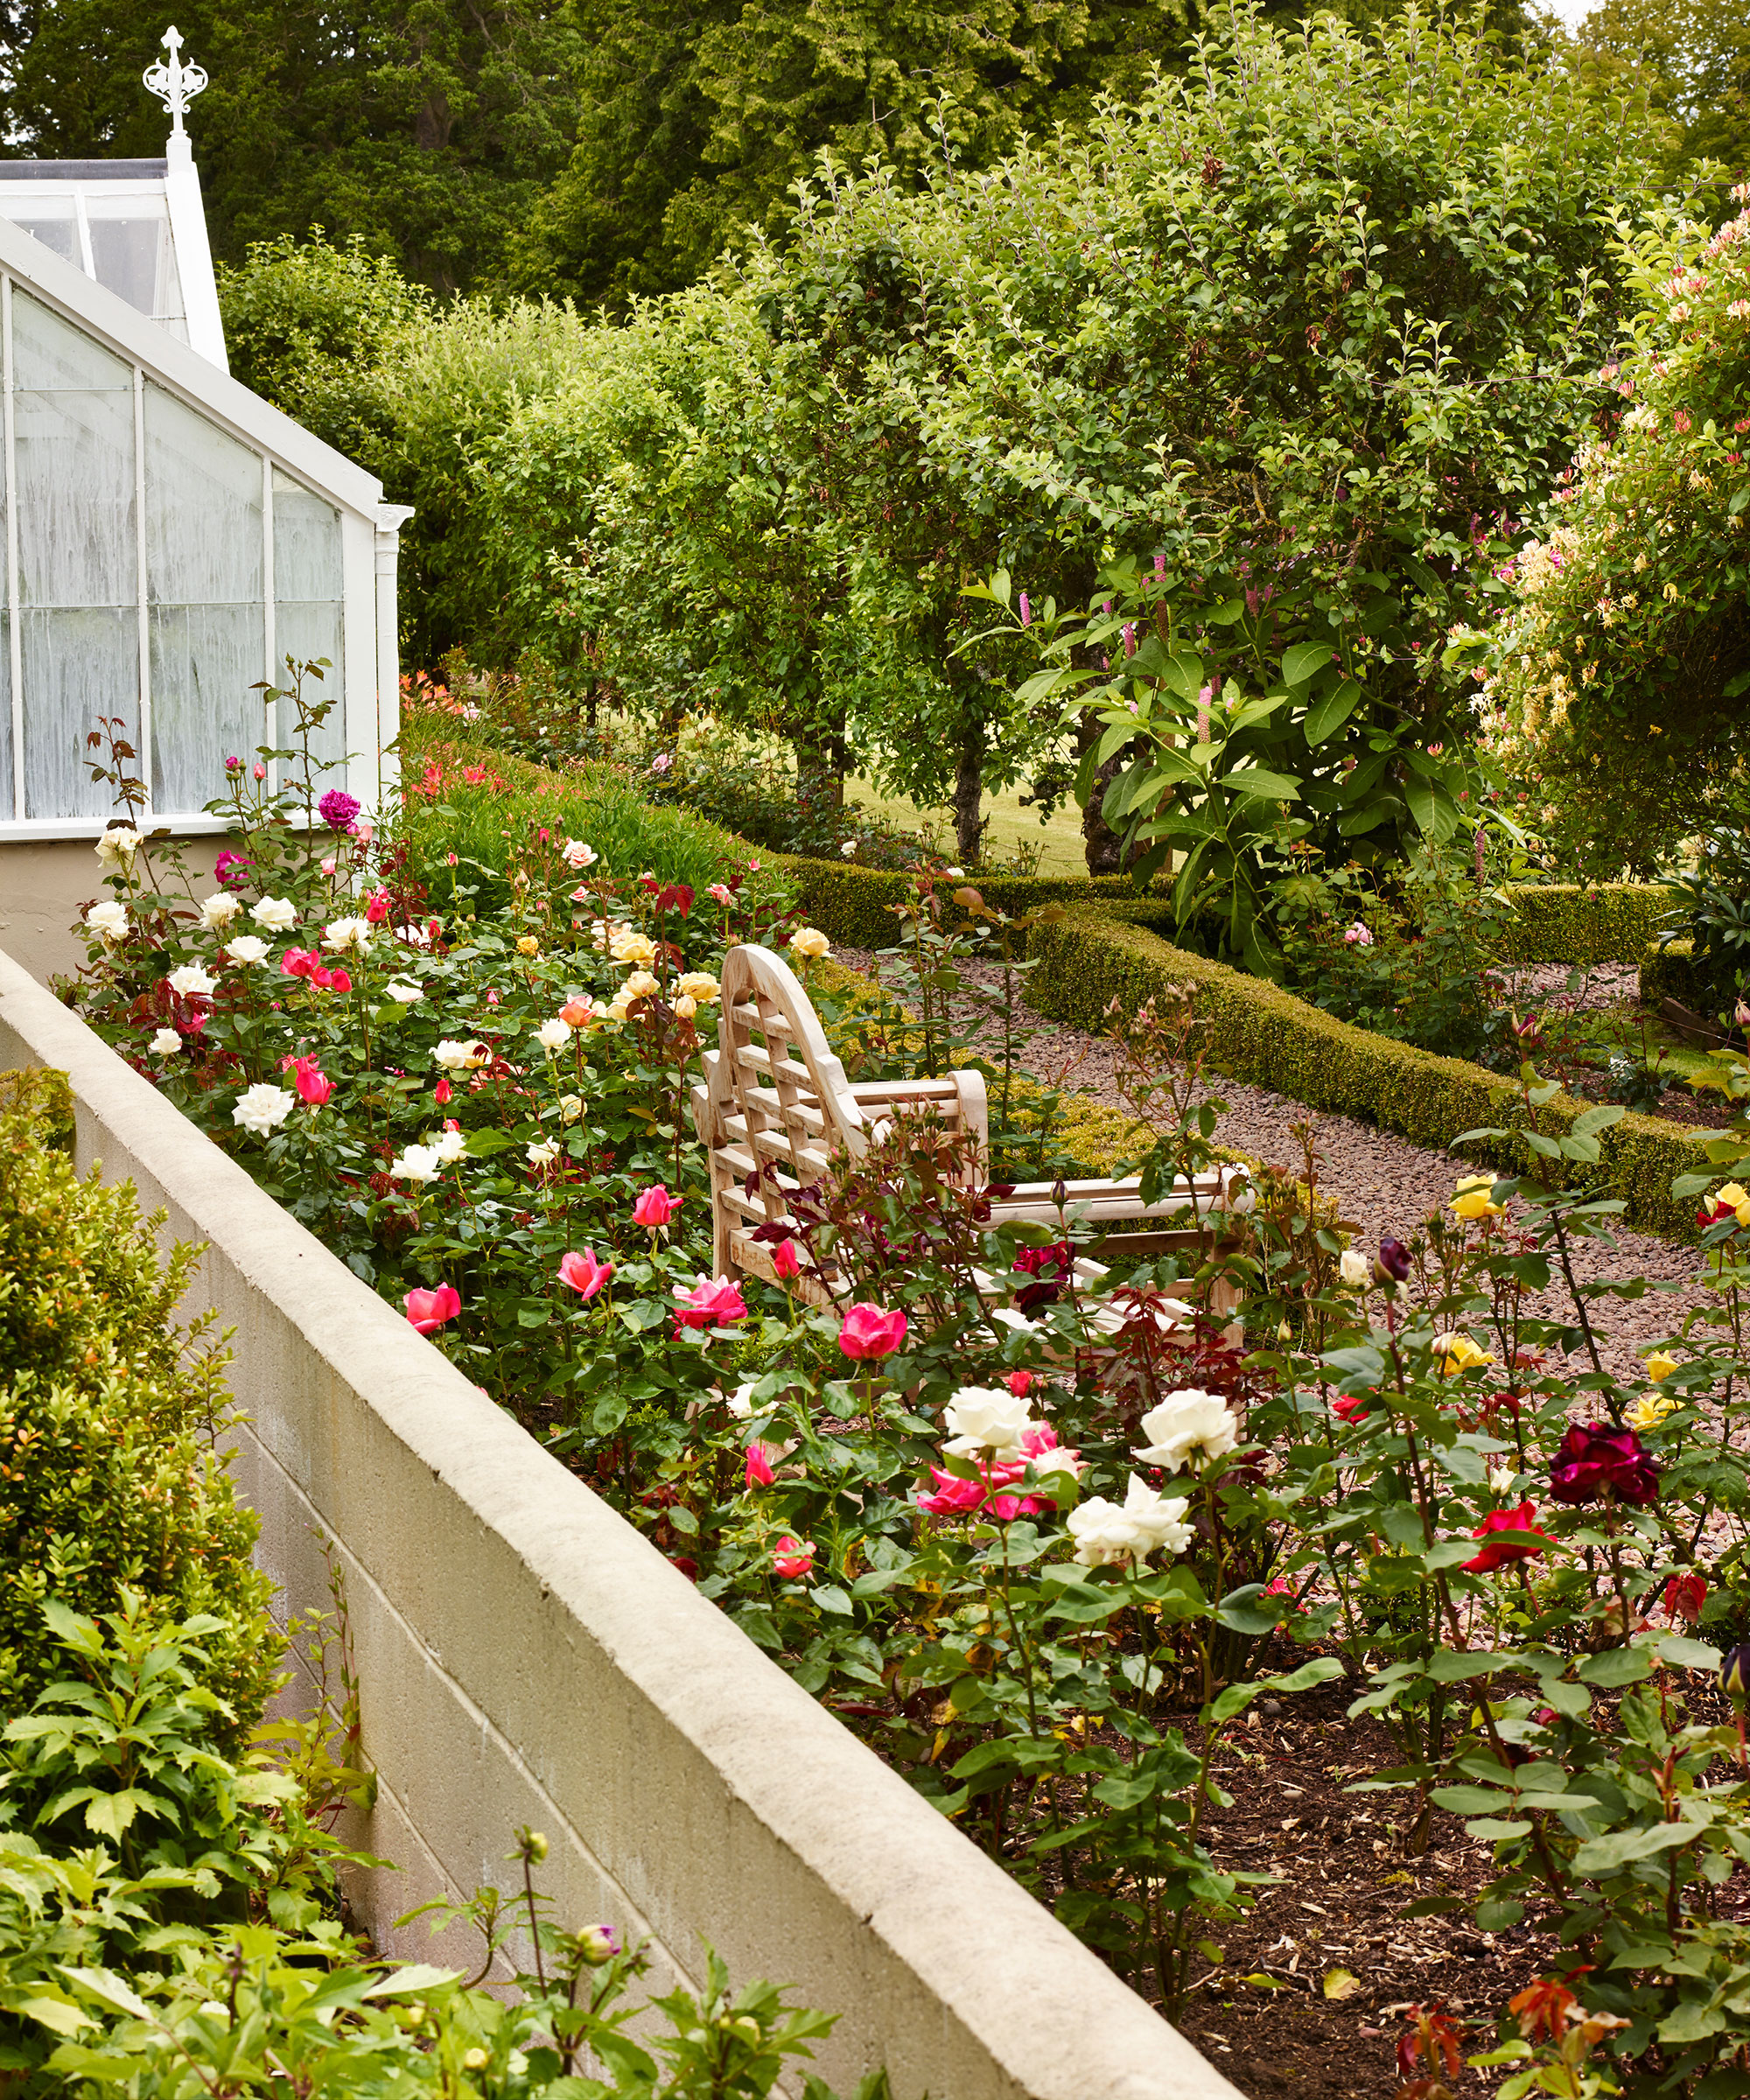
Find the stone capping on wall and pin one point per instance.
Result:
(527, 1656)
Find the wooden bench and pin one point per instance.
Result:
(776, 1101)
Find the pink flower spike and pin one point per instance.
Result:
(709, 1303)
(871, 1332)
(758, 1471)
(784, 1261)
(584, 1273)
(428, 1310)
(654, 1207)
(794, 1558)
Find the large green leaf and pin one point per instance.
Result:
(1328, 714)
(1299, 663)
(1259, 782)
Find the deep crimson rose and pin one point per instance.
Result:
(1525, 1518)
(1596, 1460)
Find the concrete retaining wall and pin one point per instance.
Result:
(527, 1656)
(44, 882)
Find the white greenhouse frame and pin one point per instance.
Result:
(369, 716)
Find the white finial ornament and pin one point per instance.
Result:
(174, 84)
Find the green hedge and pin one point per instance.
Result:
(1265, 1036)
(1564, 923)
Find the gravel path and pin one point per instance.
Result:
(1382, 1183)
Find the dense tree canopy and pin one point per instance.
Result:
(428, 129)
(1693, 58)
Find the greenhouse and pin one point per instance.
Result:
(171, 538)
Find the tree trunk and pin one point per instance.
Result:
(819, 770)
(968, 781)
(1101, 846)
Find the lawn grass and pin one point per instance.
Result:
(1010, 829)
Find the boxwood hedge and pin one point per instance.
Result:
(1267, 1037)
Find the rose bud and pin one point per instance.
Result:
(1394, 1262)
(1734, 1672)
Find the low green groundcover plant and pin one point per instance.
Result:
(170, 1922)
(1034, 1530)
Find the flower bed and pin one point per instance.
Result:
(1042, 1542)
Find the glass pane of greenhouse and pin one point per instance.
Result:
(72, 409)
(205, 559)
(308, 593)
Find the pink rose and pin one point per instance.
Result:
(428, 1310)
(709, 1303)
(758, 1471)
(784, 1261)
(584, 1273)
(313, 1086)
(794, 1558)
(654, 1207)
(870, 1332)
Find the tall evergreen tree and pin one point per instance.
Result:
(427, 129)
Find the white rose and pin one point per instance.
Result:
(413, 936)
(740, 1402)
(248, 948)
(542, 1154)
(448, 1145)
(263, 1108)
(344, 934)
(1107, 1533)
(577, 854)
(119, 843)
(570, 1107)
(274, 914)
(109, 920)
(192, 982)
(166, 1043)
(459, 1057)
(1237, 1193)
(404, 994)
(1354, 1269)
(987, 1418)
(218, 912)
(419, 1163)
(554, 1034)
(1187, 1421)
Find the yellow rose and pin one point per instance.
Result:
(686, 1008)
(639, 985)
(1660, 1366)
(1471, 1200)
(528, 946)
(810, 941)
(1458, 1352)
(698, 984)
(1651, 1409)
(631, 946)
(1733, 1195)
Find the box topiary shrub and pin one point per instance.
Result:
(108, 1408)
(1580, 924)
(1262, 1034)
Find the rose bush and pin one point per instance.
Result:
(1035, 1529)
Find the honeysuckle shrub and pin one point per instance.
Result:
(1019, 1515)
(1617, 683)
(171, 1924)
(110, 1403)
